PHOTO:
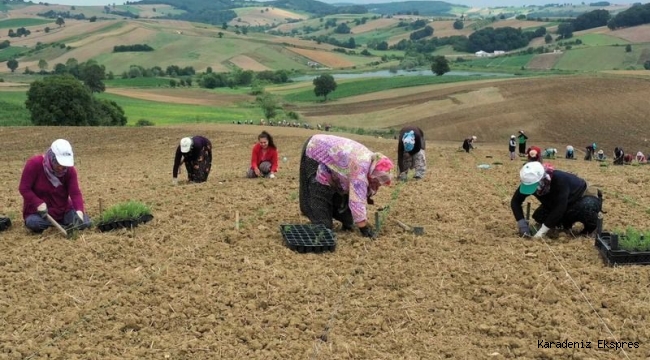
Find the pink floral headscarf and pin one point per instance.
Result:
(49, 159)
(380, 172)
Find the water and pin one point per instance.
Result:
(387, 73)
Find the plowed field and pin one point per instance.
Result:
(188, 285)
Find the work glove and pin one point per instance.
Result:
(42, 210)
(370, 201)
(272, 176)
(541, 232)
(175, 181)
(524, 229)
(403, 176)
(366, 231)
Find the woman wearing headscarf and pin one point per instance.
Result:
(196, 153)
(534, 153)
(565, 199)
(338, 178)
(264, 159)
(569, 152)
(522, 138)
(512, 146)
(619, 154)
(49, 186)
(600, 155)
(640, 158)
(469, 143)
(410, 152)
(591, 151)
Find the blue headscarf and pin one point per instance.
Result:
(409, 140)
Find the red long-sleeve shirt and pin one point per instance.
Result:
(36, 189)
(259, 156)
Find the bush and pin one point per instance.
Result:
(293, 115)
(144, 122)
(646, 65)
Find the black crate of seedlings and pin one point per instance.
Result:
(624, 248)
(305, 238)
(124, 216)
(5, 223)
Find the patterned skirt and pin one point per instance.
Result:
(199, 168)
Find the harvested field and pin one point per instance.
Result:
(247, 63)
(326, 58)
(254, 16)
(371, 25)
(635, 34)
(552, 105)
(543, 61)
(307, 44)
(181, 96)
(70, 29)
(188, 285)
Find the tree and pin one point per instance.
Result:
(92, 75)
(268, 103)
(59, 100)
(220, 34)
(12, 64)
(440, 65)
(646, 65)
(43, 65)
(628, 48)
(323, 85)
(565, 30)
(458, 25)
(548, 38)
(60, 21)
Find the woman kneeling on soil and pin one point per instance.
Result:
(338, 177)
(469, 143)
(49, 186)
(410, 152)
(264, 160)
(196, 153)
(565, 199)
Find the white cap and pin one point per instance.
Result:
(63, 152)
(512, 136)
(473, 137)
(530, 174)
(186, 144)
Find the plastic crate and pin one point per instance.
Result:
(305, 238)
(5, 223)
(618, 256)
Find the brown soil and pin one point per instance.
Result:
(190, 286)
(543, 61)
(180, 96)
(635, 34)
(565, 110)
(326, 58)
(246, 63)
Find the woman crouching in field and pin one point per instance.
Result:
(338, 178)
(264, 158)
(49, 186)
(196, 153)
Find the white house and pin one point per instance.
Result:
(482, 53)
(499, 52)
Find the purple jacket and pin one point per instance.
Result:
(36, 189)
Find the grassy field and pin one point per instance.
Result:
(139, 82)
(359, 87)
(18, 23)
(600, 40)
(12, 109)
(11, 51)
(166, 114)
(601, 58)
(383, 34)
(510, 63)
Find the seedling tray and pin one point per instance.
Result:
(5, 223)
(124, 224)
(305, 238)
(612, 255)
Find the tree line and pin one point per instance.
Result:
(134, 47)
(638, 14)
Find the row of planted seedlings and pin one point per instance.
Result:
(125, 215)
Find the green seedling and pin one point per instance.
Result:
(632, 239)
(124, 211)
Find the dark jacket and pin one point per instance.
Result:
(565, 190)
(198, 143)
(419, 145)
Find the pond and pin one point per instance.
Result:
(387, 73)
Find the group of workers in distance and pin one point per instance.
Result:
(338, 179)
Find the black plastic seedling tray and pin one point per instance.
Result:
(612, 255)
(124, 224)
(5, 223)
(305, 238)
